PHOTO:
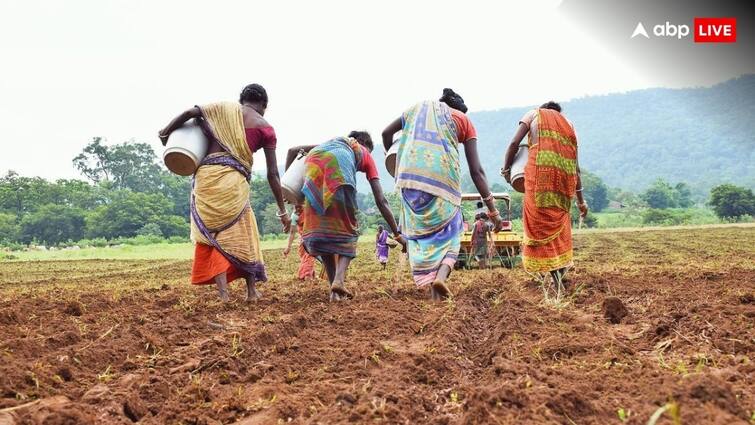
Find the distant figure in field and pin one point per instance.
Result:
(428, 175)
(223, 226)
(381, 246)
(551, 180)
(330, 229)
(480, 237)
(306, 261)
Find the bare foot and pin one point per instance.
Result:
(340, 291)
(433, 294)
(253, 295)
(224, 295)
(334, 297)
(441, 290)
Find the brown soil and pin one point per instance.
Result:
(614, 310)
(125, 341)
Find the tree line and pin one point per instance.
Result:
(127, 193)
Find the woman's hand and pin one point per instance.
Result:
(285, 222)
(506, 173)
(402, 240)
(286, 251)
(163, 135)
(497, 223)
(583, 209)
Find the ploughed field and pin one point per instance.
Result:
(123, 341)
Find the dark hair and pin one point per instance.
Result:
(254, 93)
(452, 99)
(551, 105)
(363, 138)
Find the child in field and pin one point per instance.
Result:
(381, 246)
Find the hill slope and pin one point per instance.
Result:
(702, 136)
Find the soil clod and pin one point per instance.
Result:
(614, 310)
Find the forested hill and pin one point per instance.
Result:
(702, 136)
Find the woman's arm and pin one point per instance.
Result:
(581, 204)
(178, 122)
(274, 181)
(291, 236)
(394, 127)
(508, 160)
(294, 152)
(480, 180)
(385, 210)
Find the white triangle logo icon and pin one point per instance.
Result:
(639, 30)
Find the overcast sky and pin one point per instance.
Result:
(72, 70)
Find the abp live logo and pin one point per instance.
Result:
(706, 30)
(715, 30)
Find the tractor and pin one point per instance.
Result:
(506, 244)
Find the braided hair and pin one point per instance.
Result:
(452, 99)
(363, 138)
(254, 93)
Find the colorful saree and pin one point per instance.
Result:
(223, 226)
(428, 177)
(330, 205)
(306, 261)
(550, 181)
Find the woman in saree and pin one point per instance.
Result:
(306, 262)
(223, 226)
(381, 246)
(480, 237)
(331, 230)
(428, 177)
(551, 180)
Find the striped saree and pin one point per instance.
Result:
(428, 178)
(550, 181)
(223, 226)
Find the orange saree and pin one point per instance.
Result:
(550, 183)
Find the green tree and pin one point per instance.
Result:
(126, 213)
(20, 195)
(178, 190)
(52, 224)
(269, 222)
(659, 195)
(730, 201)
(173, 225)
(683, 195)
(261, 196)
(150, 229)
(595, 191)
(127, 165)
(10, 231)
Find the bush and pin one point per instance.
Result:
(666, 217)
(173, 225)
(177, 239)
(52, 224)
(99, 242)
(150, 229)
(84, 243)
(143, 240)
(13, 246)
(730, 201)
